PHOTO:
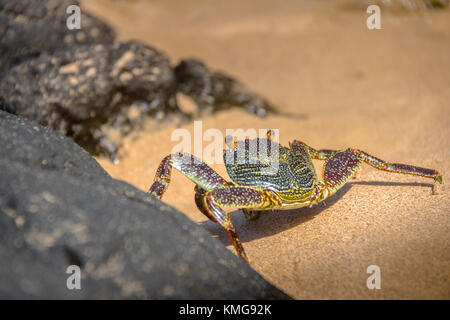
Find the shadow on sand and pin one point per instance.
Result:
(273, 222)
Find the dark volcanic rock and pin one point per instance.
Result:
(213, 91)
(91, 90)
(28, 28)
(33, 145)
(128, 244)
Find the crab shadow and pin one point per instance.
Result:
(273, 222)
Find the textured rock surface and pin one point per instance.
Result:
(29, 28)
(33, 145)
(213, 91)
(91, 90)
(128, 245)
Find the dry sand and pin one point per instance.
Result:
(385, 91)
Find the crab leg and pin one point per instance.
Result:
(235, 197)
(206, 180)
(224, 219)
(244, 198)
(210, 203)
(342, 165)
(325, 154)
(400, 168)
(206, 204)
(193, 168)
(338, 169)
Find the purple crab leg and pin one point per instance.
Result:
(400, 168)
(244, 198)
(224, 219)
(236, 197)
(200, 202)
(194, 169)
(206, 180)
(326, 154)
(342, 165)
(338, 169)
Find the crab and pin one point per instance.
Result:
(253, 188)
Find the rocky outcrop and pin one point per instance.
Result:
(89, 91)
(29, 28)
(96, 91)
(58, 208)
(213, 91)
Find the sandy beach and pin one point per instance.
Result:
(386, 92)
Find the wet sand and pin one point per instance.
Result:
(386, 92)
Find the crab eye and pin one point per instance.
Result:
(229, 141)
(270, 133)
